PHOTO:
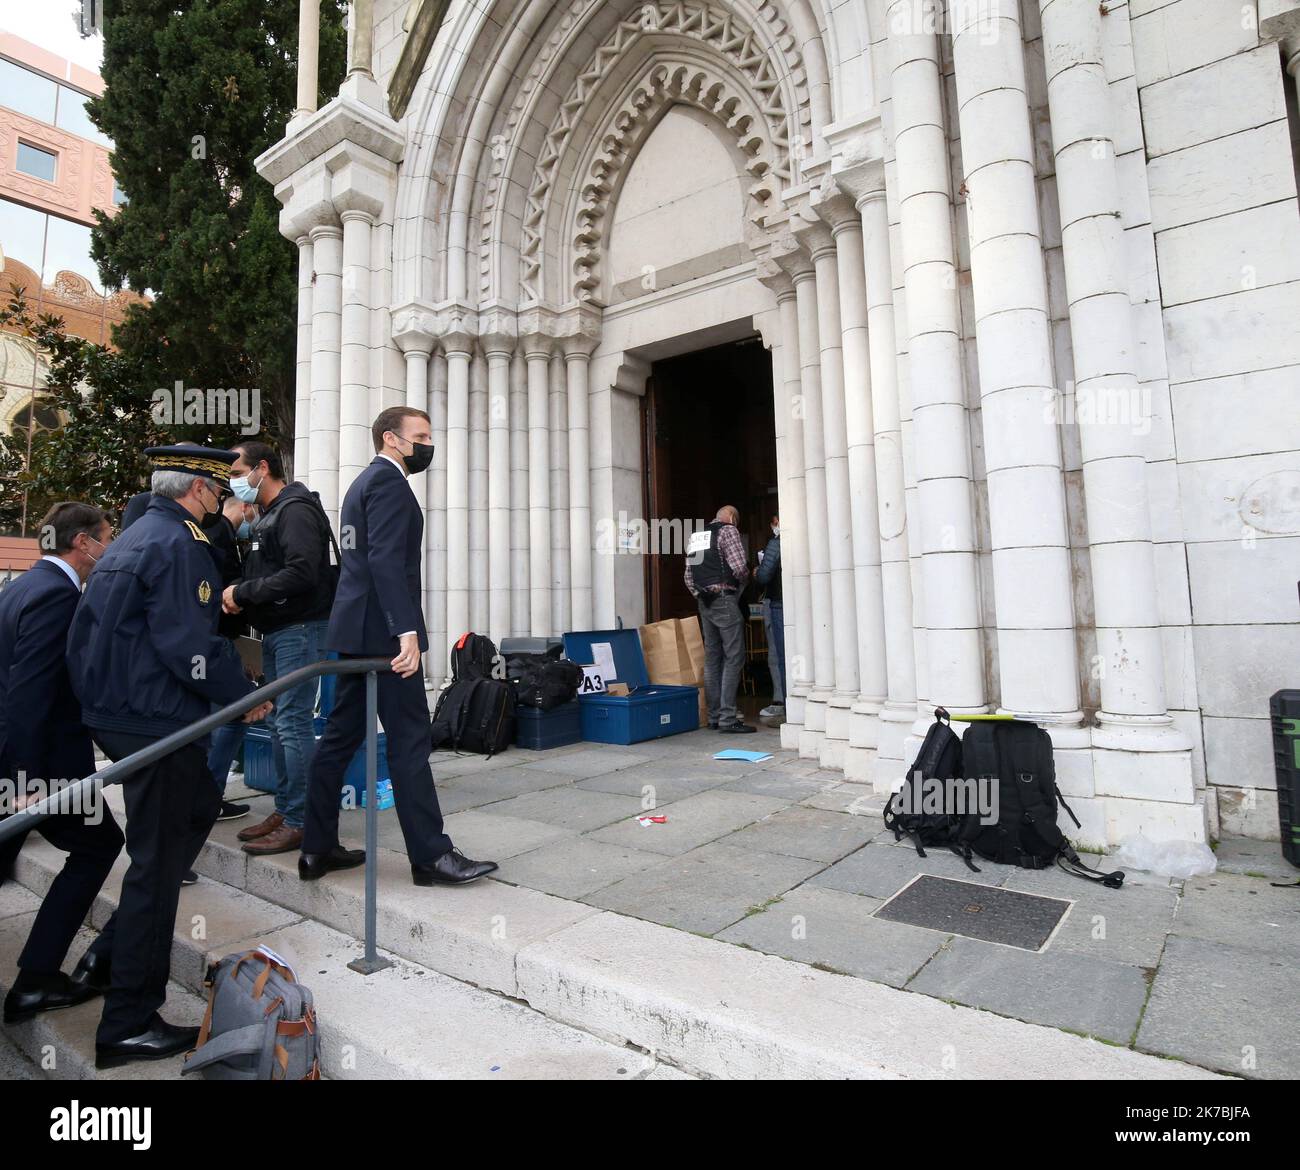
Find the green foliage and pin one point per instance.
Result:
(97, 456)
(195, 92)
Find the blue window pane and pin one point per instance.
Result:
(27, 92)
(32, 160)
(74, 119)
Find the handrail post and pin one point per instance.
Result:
(371, 962)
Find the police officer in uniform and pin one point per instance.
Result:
(145, 660)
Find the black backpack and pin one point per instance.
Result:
(544, 681)
(939, 759)
(473, 656)
(1019, 756)
(474, 715)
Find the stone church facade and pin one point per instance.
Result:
(1028, 272)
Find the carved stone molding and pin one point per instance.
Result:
(701, 22)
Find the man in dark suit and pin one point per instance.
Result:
(377, 613)
(42, 740)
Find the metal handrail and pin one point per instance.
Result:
(26, 819)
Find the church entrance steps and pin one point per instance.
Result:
(405, 1022)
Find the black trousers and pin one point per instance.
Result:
(171, 807)
(405, 716)
(91, 850)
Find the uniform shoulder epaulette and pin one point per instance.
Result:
(197, 532)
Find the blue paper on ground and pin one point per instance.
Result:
(739, 754)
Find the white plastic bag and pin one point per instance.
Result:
(1175, 859)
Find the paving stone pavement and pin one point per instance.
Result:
(787, 858)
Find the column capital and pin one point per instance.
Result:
(1280, 20)
(456, 326)
(578, 330)
(498, 326)
(325, 231)
(811, 230)
(538, 329)
(414, 328)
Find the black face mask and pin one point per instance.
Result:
(420, 458)
(211, 519)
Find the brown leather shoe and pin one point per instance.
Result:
(253, 832)
(283, 840)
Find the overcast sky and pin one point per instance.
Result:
(49, 24)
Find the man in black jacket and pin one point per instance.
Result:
(377, 613)
(286, 592)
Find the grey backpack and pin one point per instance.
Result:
(260, 1023)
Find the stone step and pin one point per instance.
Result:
(405, 1022)
(701, 1005)
(61, 1045)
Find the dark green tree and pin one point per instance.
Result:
(195, 91)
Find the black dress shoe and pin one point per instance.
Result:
(452, 868)
(316, 865)
(94, 971)
(157, 1042)
(54, 992)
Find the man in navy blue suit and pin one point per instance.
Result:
(43, 740)
(377, 613)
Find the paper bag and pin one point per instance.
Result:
(674, 655)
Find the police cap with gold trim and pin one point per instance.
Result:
(209, 462)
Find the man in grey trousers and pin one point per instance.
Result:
(715, 574)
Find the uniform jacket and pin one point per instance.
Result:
(144, 654)
(381, 529)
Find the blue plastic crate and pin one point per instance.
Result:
(259, 767)
(648, 712)
(538, 730)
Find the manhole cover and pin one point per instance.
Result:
(976, 911)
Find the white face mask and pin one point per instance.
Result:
(776, 530)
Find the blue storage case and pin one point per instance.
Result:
(649, 712)
(538, 730)
(259, 763)
(259, 760)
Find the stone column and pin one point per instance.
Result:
(435, 534)
(1037, 657)
(819, 555)
(499, 348)
(838, 531)
(859, 398)
(478, 493)
(458, 347)
(558, 422)
(308, 56)
(416, 351)
(900, 707)
(520, 619)
(302, 391)
(795, 525)
(356, 447)
(577, 357)
(1111, 414)
(537, 351)
(945, 495)
(326, 318)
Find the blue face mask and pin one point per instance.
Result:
(245, 530)
(244, 491)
